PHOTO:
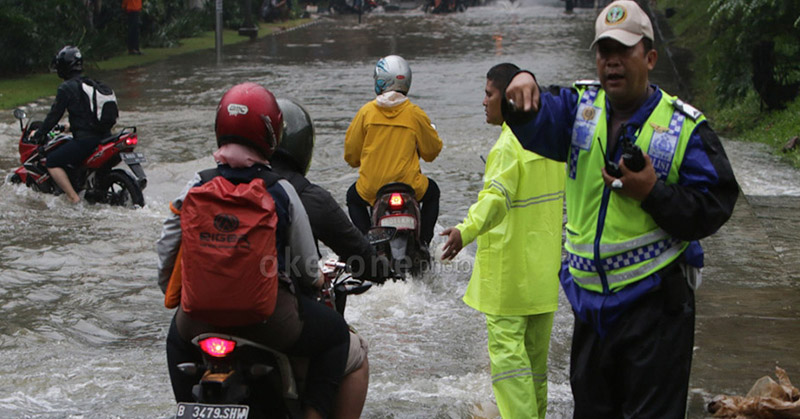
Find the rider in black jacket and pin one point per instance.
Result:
(85, 136)
(329, 223)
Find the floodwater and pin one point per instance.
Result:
(83, 324)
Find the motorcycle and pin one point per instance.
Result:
(239, 378)
(338, 281)
(396, 206)
(446, 6)
(354, 6)
(96, 175)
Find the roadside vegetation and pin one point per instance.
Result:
(33, 31)
(743, 64)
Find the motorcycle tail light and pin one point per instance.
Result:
(132, 140)
(217, 347)
(396, 201)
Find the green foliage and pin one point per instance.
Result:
(745, 122)
(757, 43)
(233, 13)
(31, 32)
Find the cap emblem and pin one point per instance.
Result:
(616, 15)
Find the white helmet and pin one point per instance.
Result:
(392, 73)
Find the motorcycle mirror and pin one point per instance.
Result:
(20, 114)
(378, 235)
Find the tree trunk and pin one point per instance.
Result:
(773, 93)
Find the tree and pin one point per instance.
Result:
(757, 47)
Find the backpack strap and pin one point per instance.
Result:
(268, 176)
(208, 174)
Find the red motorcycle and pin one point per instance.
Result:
(96, 175)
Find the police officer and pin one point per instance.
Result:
(633, 223)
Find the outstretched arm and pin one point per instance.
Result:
(55, 114)
(453, 245)
(523, 93)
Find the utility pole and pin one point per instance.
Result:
(218, 38)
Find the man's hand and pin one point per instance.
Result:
(636, 185)
(522, 93)
(453, 244)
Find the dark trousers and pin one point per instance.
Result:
(133, 30)
(640, 369)
(428, 211)
(73, 152)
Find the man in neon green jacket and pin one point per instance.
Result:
(517, 221)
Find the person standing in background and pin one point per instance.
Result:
(133, 10)
(517, 222)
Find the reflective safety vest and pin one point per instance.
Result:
(611, 241)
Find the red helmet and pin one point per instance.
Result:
(249, 114)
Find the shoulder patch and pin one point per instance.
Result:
(587, 83)
(687, 109)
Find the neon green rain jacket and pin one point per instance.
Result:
(518, 223)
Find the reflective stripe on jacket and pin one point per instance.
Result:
(611, 242)
(387, 143)
(518, 222)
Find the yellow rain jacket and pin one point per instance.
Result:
(518, 222)
(386, 139)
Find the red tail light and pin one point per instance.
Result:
(396, 201)
(217, 347)
(132, 140)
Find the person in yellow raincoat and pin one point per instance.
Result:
(385, 141)
(517, 221)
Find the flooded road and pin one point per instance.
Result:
(84, 324)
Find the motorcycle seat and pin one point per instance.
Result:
(126, 130)
(110, 139)
(396, 187)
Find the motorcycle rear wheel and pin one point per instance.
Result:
(119, 189)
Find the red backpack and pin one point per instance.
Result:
(229, 264)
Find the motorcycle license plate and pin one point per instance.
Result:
(211, 411)
(133, 158)
(400, 222)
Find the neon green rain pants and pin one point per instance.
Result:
(518, 347)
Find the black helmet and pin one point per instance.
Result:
(68, 61)
(297, 144)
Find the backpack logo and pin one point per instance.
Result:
(102, 103)
(226, 222)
